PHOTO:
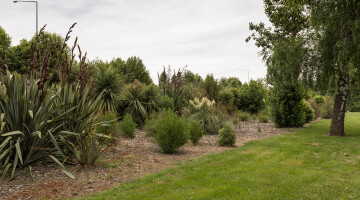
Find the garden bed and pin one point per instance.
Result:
(129, 159)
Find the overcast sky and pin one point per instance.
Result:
(206, 35)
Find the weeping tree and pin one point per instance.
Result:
(330, 35)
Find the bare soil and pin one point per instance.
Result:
(129, 159)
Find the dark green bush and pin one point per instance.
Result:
(171, 132)
(309, 112)
(252, 96)
(286, 107)
(227, 136)
(195, 131)
(128, 126)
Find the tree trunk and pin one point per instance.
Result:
(337, 121)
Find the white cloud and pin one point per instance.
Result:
(207, 35)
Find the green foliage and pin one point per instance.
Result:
(252, 96)
(171, 132)
(226, 99)
(316, 108)
(138, 100)
(107, 121)
(165, 103)
(109, 86)
(309, 112)
(263, 118)
(286, 106)
(195, 131)
(207, 117)
(133, 69)
(231, 82)
(5, 42)
(227, 136)
(243, 116)
(326, 109)
(27, 122)
(172, 84)
(87, 146)
(211, 87)
(190, 77)
(319, 99)
(128, 126)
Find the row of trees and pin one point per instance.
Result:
(313, 44)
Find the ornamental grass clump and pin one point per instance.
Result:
(227, 136)
(171, 132)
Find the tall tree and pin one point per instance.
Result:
(337, 31)
(330, 30)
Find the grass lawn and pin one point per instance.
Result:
(304, 165)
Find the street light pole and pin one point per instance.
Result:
(37, 10)
(244, 70)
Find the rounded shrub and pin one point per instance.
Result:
(227, 136)
(309, 112)
(128, 126)
(195, 131)
(252, 96)
(319, 99)
(171, 132)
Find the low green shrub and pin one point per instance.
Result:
(326, 109)
(128, 126)
(227, 136)
(195, 131)
(263, 118)
(309, 112)
(171, 132)
(243, 116)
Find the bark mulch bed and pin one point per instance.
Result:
(129, 159)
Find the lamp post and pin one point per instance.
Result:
(244, 70)
(36, 11)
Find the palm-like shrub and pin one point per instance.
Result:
(226, 99)
(109, 85)
(138, 100)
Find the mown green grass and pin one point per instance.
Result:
(304, 165)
